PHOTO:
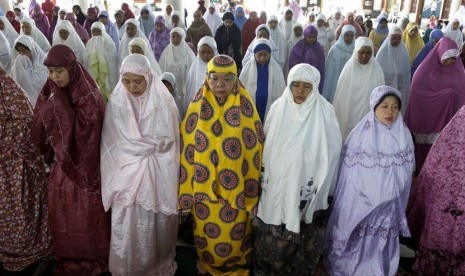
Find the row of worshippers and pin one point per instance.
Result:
(226, 169)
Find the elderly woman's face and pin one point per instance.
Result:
(300, 91)
(262, 57)
(134, 83)
(221, 84)
(364, 55)
(176, 39)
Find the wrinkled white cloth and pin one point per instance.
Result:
(213, 20)
(148, 53)
(73, 41)
(30, 74)
(280, 41)
(36, 34)
(286, 26)
(274, 48)
(9, 31)
(123, 50)
(5, 49)
(352, 96)
(326, 35)
(299, 164)
(456, 35)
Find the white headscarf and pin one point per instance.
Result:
(139, 151)
(102, 49)
(456, 35)
(213, 20)
(286, 26)
(31, 75)
(36, 34)
(148, 53)
(279, 40)
(294, 39)
(274, 48)
(177, 59)
(180, 23)
(352, 96)
(147, 25)
(299, 164)
(308, 22)
(326, 35)
(197, 72)
(123, 50)
(167, 76)
(73, 41)
(9, 31)
(276, 82)
(395, 64)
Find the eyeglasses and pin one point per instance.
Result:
(217, 77)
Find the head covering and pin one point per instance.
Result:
(248, 33)
(88, 22)
(41, 20)
(197, 30)
(148, 24)
(180, 23)
(9, 31)
(15, 23)
(426, 35)
(80, 30)
(110, 28)
(240, 21)
(101, 59)
(309, 22)
(413, 45)
(313, 54)
(338, 56)
(240, 118)
(456, 35)
(169, 77)
(73, 41)
(351, 99)
(30, 74)
(197, 72)
(395, 64)
(373, 153)
(286, 26)
(433, 38)
(294, 39)
(435, 206)
(381, 30)
(123, 50)
(274, 48)
(308, 184)
(36, 34)
(265, 83)
(437, 93)
(80, 16)
(213, 20)
(142, 43)
(127, 11)
(159, 41)
(149, 123)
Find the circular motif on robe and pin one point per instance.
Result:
(240, 200)
(246, 243)
(207, 257)
(212, 230)
(206, 110)
(251, 188)
(256, 160)
(189, 153)
(214, 158)
(201, 141)
(197, 95)
(249, 138)
(182, 174)
(223, 249)
(201, 210)
(238, 231)
(233, 116)
(191, 122)
(245, 167)
(246, 107)
(228, 179)
(201, 173)
(232, 148)
(228, 214)
(200, 242)
(185, 201)
(217, 128)
(260, 133)
(199, 197)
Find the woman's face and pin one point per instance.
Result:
(456, 25)
(310, 39)
(64, 34)
(59, 75)
(364, 55)
(103, 20)
(119, 18)
(221, 84)
(175, 19)
(273, 24)
(311, 18)
(26, 27)
(62, 15)
(169, 9)
(448, 61)
(197, 16)
(300, 91)
(413, 33)
(23, 50)
(348, 38)
(206, 53)
(168, 86)
(298, 31)
(136, 49)
(96, 32)
(263, 34)
(131, 30)
(144, 14)
(135, 84)
(262, 57)
(176, 39)
(388, 110)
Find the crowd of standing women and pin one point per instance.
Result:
(283, 143)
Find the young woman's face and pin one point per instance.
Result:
(23, 50)
(388, 110)
(364, 55)
(96, 32)
(59, 75)
(300, 91)
(206, 53)
(64, 34)
(135, 84)
(176, 39)
(348, 38)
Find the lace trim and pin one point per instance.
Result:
(451, 53)
(358, 156)
(425, 138)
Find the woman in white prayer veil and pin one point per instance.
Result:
(212, 18)
(452, 30)
(139, 46)
(294, 36)
(28, 27)
(278, 37)
(206, 49)
(101, 59)
(177, 57)
(133, 30)
(5, 49)
(326, 33)
(263, 31)
(299, 172)
(66, 34)
(361, 74)
(139, 156)
(263, 78)
(8, 30)
(394, 58)
(28, 68)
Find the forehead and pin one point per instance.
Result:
(133, 76)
